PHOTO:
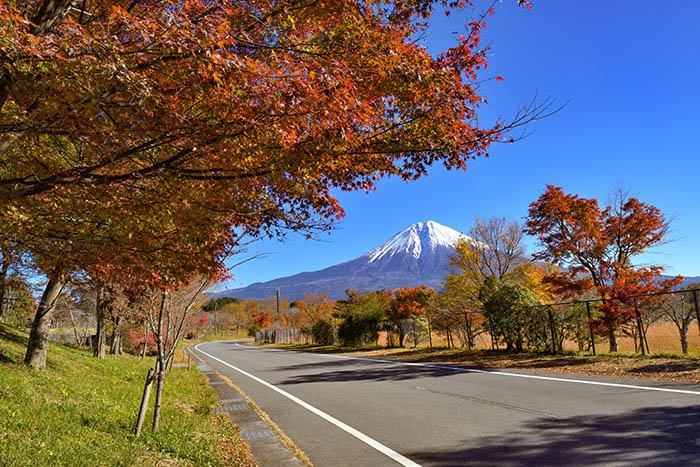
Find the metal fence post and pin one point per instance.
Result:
(430, 331)
(553, 328)
(640, 327)
(590, 325)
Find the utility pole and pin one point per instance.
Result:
(279, 321)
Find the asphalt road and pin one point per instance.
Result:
(345, 411)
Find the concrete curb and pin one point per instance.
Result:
(269, 445)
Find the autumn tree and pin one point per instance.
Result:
(558, 322)
(235, 316)
(261, 108)
(256, 92)
(259, 320)
(311, 311)
(598, 245)
(158, 243)
(18, 304)
(493, 250)
(634, 294)
(409, 303)
(168, 312)
(13, 273)
(215, 305)
(457, 311)
(121, 131)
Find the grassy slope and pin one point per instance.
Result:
(81, 411)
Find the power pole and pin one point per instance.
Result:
(279, 321)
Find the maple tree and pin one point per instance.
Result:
(598, 246)
(408, 303)
(122, 237)
(270, 104)
(310, 311)
(278, 96)
(168, 313)
(260, 320)
(139, 136)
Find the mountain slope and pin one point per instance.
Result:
(416, 255)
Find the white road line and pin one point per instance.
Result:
(343, 426)
(457, 369)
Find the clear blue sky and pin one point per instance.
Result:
(630, 71)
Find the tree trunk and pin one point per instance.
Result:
(38, 344)
(145, 340)
(117, 334)
(613, 339)
(3, 284)
(49, 14)
(101, 305)
(75, 327)
(160, 370)
(415, 334)
(553, 329)
(494, 341)
(4, 86)
(683, 332)
(160, 382)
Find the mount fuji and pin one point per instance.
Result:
(416, 255)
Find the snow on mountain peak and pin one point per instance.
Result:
(415, 239)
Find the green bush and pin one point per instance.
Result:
(323, 333)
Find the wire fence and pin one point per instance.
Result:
(662, 322)
(659, 322)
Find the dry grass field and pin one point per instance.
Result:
(662, 339)
(665, 363)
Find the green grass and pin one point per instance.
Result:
(81, 411)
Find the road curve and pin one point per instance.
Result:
(347, 411)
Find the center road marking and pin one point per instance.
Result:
(457, 369)
(343, 426)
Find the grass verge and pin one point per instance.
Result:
(81, 411)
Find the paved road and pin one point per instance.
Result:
(345, 411)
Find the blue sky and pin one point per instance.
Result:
(630, 72)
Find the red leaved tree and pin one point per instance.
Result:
(139, 135)
(599, 245)
(408, 303)
(275, 96)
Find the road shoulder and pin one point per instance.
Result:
(269, 445)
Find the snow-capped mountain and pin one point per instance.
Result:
(415, 239)
(416, 255)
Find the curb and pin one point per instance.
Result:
(269, 444)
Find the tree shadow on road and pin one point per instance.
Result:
(358, 370)
(649, 436)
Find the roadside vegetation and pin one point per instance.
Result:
(81, 411)
(580, 291)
